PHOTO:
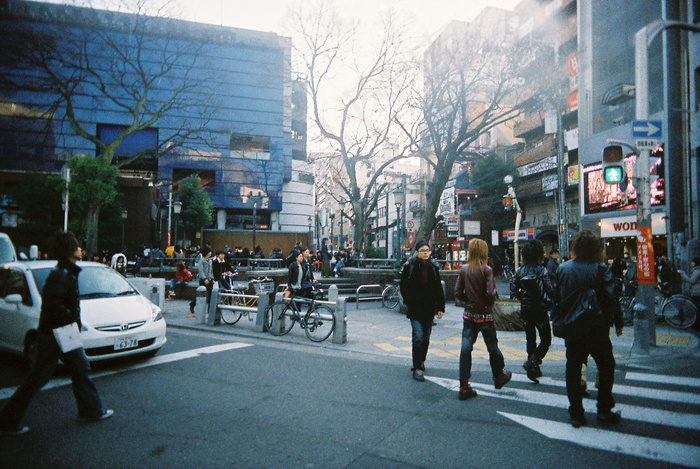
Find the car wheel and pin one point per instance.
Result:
(31, 350)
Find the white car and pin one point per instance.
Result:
(117, 320)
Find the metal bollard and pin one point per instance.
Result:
(214, 318)
(263, 301)
(641, 343)
(340, 333)
(200, 306)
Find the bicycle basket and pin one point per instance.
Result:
(264, 286)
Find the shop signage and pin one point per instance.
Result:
(645, 257)
(620, 227)
(410, 239)
(572, 175)
(545, 164)
(452, 223)
(525, 234)
(549, 183)
(471, 228)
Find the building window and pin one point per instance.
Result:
(250, 147)
(144, 142)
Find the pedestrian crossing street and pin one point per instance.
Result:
(661, 414)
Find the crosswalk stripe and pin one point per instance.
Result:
(640, 446)
(624, 390)
(6, 393)
(663, 379)
(630, 412)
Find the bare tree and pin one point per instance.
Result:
(357, 92)
(138, 67)
(471, 85)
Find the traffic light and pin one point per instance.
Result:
(613, 164)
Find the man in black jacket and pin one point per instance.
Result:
(60, 306)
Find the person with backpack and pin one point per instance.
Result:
(587, 276)
(424, 298)
(531, 285)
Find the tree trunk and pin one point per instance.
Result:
(91, 228)
(440, 178)
(359, 225)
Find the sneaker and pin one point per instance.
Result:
(502, 380)
(610, 417)
(21, 430)
(578, 422)
(103, 416)
(418, 375)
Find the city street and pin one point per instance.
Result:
(222, 397)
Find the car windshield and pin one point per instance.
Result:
(93, 282)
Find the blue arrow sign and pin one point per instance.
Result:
(648, 129)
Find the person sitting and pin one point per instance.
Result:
(340, 259)
(182, 276)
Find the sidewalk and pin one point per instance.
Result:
(372, 329)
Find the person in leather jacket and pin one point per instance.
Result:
(60, 306)
(422, 294)
(475, 286)
(532, 286)
(587, 270)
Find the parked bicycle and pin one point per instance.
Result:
(390, 295)
(677, 310)
(318, 322)
(238, 295)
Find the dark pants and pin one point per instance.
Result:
(470, 331)
(326, 268)
(209, 288)
(595, 343)
(537, 322)
(420, 338)
(86, 395)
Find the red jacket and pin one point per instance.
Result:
(183, 275)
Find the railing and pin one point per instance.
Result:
(358, 298)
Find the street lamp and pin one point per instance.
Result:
(518, 218)
(332, 217)
(399, 193)
(310, 222)
(255, 198)
(124, 215)
(177, 208)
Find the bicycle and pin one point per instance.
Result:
(318, 322)
(390, 295)
(238, 295)
(677, 310)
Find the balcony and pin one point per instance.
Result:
(544, 149)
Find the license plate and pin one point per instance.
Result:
(126, 343)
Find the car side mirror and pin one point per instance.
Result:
(14, 298)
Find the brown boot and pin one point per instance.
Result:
(465, 391)
(502, 380)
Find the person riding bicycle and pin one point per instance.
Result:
(694, 280)
(219, 267)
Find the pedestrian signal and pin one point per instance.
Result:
(613, 165)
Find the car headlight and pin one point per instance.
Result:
(155, 313)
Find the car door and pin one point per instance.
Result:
(17, 319)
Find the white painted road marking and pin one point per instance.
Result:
(6, 393)
(561, 401)
(649, 448)
(663, 379)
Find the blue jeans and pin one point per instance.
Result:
(469, 333)
(420, 337)
(86, 395)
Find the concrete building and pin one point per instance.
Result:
(238, 122)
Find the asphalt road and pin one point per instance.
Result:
(212, 400)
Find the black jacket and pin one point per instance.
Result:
(422, 303)
(574, 275)
(531, 285)
(60, 299)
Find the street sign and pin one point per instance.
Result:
(646, 129)
(646, 143)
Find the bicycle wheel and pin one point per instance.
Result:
(279, 318)
(320, 323)
(227, 315)
(627, 306)
(679, 312)
(390, 297)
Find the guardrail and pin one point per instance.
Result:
(358, 298)
(211, 313)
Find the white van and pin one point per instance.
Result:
(7, 249)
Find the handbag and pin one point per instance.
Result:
(578, 313)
